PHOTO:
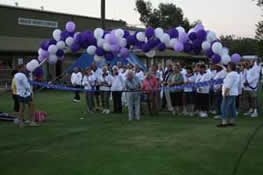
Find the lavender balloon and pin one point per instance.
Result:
(178, 47)
(236, 58)
(124, 52)
(70, 26)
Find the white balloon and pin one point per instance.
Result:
(98, 33)
(119, 33)
(225, 59)
(91, 50)
(98, 58)
(61, 45)
(32, 65)
(172, 42)
(165, 38)
(53, 59)
(158, 32)
(40, 51)
(211, 36)
(69, 41)
(180, 29)
(56, 34)
(225, 51)
(123, 42)
(206, 45)
(217, 48)
(52, 49)
(140, 36)
(107, 37)
(100, 42)
(151, 53)
(107, 47)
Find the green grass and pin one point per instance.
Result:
(110, 145)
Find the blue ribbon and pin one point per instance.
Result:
(180, 87)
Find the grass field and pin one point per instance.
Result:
(110, 145)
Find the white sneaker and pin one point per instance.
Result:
(191, 114)
(249, 112)
(204, 115)
(217, 117)
(104, 111)
(254, 115)
(107, 111)
(213, 112)
(27, 122)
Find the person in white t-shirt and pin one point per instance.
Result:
(139, 73)
(203, 92)
(105, 82)
(189, 78)
(97, 73)
(89, 83)
(251, 86)
(76, 80)
(229, 93)
(24, 92)
(117, 88)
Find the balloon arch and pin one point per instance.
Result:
(108, 44)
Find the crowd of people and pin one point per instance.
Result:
(128, 85)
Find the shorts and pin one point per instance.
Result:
(25, 100)
(189, 98)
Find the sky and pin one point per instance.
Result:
(224, 17)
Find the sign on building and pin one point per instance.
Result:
(37, 22)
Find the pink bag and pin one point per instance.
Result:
(40, 116)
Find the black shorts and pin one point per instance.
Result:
(177, 98)
(25, 100)
(189, 98)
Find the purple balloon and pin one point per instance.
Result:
(75, 47)
(109, 56)
(146, 47)
(131, 40)
(52, 42)
(41, 58)
(173, 33)
(192, 36)
(44, 45)
(161, 47)
(115, 48)
(113, 39)
(126, 34)
(216, 59)
(149, 32)
(183, 37)
(187, 47)
(178, 47)
(236, 58)
(44, 54)
(70, 26)
(60, 53)
(199, 27)
(64, 35)
(209, 53)
(124, 52)
(38, 72)
(99, 51)
(201, 35)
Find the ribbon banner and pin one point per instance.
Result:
(181, 87)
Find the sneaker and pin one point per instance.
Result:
(254, 115)
(191, 114)
(16, 121)
(213, 112)
(27, 122)
(217, 117)
(103, 112)
(33, 124)
(204, 115)
(249, 112)
(107, 111)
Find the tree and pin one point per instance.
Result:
(259, 32)
(243, 46)
(167, 15)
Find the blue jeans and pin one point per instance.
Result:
(228, 107)
(219, 98)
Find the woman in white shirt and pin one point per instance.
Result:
(229, 93)
(89, 83)
(189, 79)
(76, 80)
(117, 88)
(203, 92)
(105, 82)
